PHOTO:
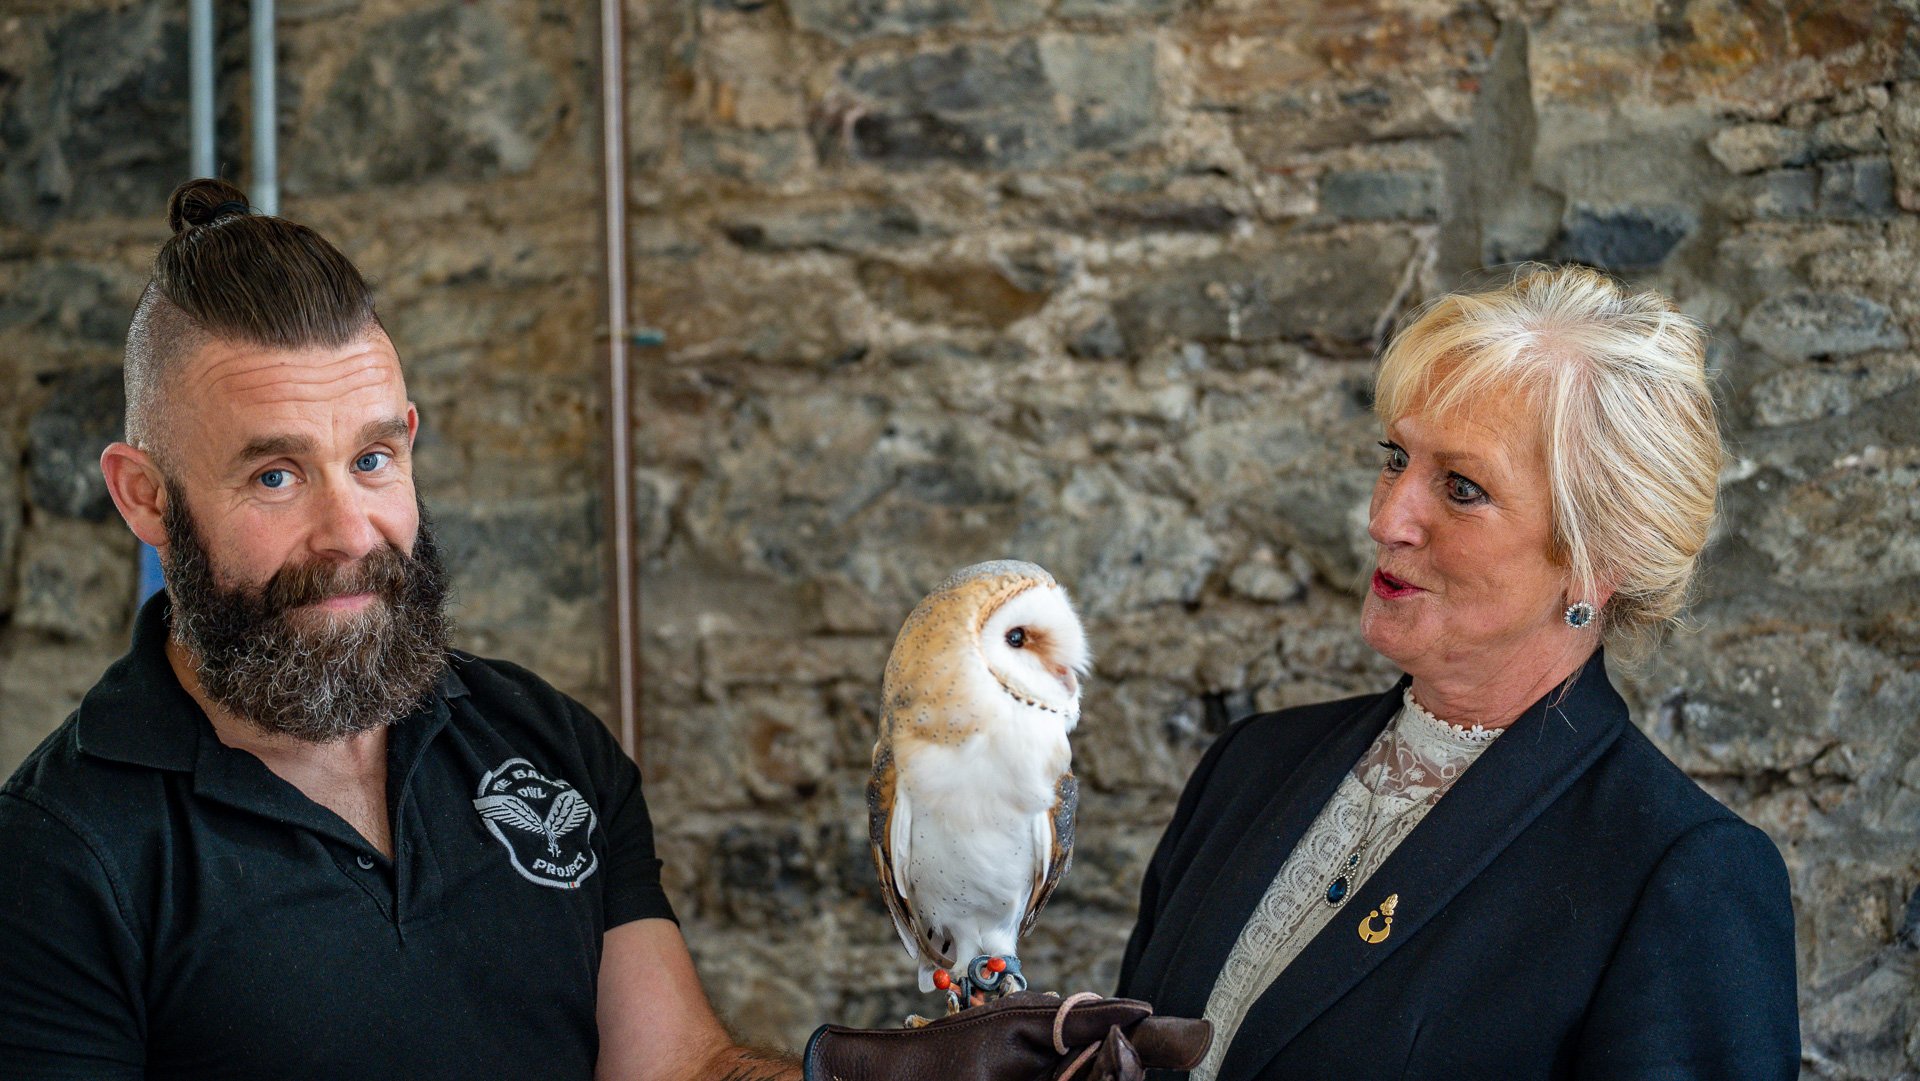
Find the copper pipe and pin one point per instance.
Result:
(626, 599)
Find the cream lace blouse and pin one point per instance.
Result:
(1409, 767)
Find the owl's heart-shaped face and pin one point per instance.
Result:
(1034, 645)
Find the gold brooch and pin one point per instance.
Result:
(1368, 933)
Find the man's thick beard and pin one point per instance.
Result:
(306, 674)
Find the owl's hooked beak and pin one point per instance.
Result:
(1065, 676)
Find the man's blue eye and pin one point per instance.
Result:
(369, 461)
(274, 478)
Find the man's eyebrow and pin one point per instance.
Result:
(392, 429)
(273, 446)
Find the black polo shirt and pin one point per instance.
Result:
(170, 908)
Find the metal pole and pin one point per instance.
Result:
(266, 157)
(200, 76)
(626, 600)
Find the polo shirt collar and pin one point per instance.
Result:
(139, 713)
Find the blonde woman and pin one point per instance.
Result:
(1488, 871)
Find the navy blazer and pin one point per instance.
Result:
(1574, 907)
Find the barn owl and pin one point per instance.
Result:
(971, 806)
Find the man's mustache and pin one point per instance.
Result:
(382, 572)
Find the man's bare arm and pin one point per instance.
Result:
(655, 1021)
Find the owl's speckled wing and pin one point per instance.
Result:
(882, 804)
(1066, 805)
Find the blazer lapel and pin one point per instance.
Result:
(1212, 917)
(1497, 798)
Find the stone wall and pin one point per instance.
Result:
(1091, 282)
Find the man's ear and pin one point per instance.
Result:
(137, 488)
(413, 426)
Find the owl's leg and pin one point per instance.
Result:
(995, 977)
(943, 981)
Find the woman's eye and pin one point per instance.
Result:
(1396, 458)
(275, 478)
(370, 461)
(1462, 490)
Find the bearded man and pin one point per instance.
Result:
(291, 834)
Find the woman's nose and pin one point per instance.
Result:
(1394, 520)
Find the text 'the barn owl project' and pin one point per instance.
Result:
(971, 806)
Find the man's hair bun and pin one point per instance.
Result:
(203, 202)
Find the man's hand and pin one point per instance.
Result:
(1023, 1037)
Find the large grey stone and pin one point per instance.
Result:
(1853, 525)
(1121, 549)
(1032, 102)
(1806, 392)
(840, 229)
(1625, 238)
(508, 562)
(1749, 148)
(765, 875)
(1742, 700)
(1807, 325)
(1167, 215)
(1860, 188)
(1380, 194)
(42, 681)
(76, 580)
(1332, 290)
(96, 122)
(85, 411)
(1785, 193)
(457, 94)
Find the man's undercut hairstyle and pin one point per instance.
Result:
(230, 275)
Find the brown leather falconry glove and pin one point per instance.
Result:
(1026, 1036)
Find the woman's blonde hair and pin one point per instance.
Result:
(1618, 382)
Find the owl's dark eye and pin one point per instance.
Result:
(1017, 637)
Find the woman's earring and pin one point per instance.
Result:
(1579, 614)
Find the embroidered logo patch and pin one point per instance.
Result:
(546, 825)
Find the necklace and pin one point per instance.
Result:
(1342, 882)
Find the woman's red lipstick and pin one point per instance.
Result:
(1391, 588)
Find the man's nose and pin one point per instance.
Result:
(1396, 518)
(342, 527)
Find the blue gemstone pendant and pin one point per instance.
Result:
(1342, 882)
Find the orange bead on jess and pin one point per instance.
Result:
(941, 980)
(997, 964)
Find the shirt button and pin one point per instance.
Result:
(366, 863)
